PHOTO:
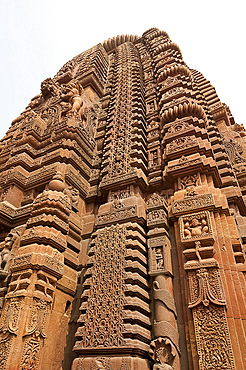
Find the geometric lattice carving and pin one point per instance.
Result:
(105, 306)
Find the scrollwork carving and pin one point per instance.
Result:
(212, 337)
(192, 202)
(103, 321)
(11, 316)
(205, 287)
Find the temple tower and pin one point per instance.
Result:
(122, 218)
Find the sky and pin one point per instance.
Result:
(38, 37)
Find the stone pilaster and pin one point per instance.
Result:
(36, 268)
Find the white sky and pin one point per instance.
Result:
(38, 37)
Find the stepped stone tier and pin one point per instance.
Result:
(122, 218)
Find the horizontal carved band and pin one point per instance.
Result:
(192, 203)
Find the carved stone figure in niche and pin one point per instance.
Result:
(159, 258)
(151, 107)
(73, 195)
(4, 258)
(156, 200)
(163, 353)
(154, 158)
(195, 227)
(189, 181)
(190, 191)
(5, 251)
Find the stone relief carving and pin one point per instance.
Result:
(195, 226)
(7, 252)
(73, 195)
(103, 363)
(31, 353)
(117, 212)
(205, 287)
(159, 257)
(212, 337)
(156, 200)
(103, 320)
(37, 322)
(163, 353)
(11, 316)
(192, 202)
(234, 151)
(157, 216)
(181, 143)
(118, 195)
(189, 181)
(49, 88)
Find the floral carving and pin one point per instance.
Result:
(103, 321)
(11, 315)
(127, 79)
(156, 200)
(37, 323)
(191, 202)
(212, 337)
(205, 287)
(31, 353)
(5, 345)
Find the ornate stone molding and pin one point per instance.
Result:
(192, 203)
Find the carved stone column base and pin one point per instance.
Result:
(114, 363)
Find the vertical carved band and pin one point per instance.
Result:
(103, 321)
(212, 337)
(207, 302)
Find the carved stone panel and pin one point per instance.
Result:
(157, 254)
(212, 337)
(196, 226)
(192, 203)
(103, 321)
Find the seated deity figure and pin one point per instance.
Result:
(195, 227)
